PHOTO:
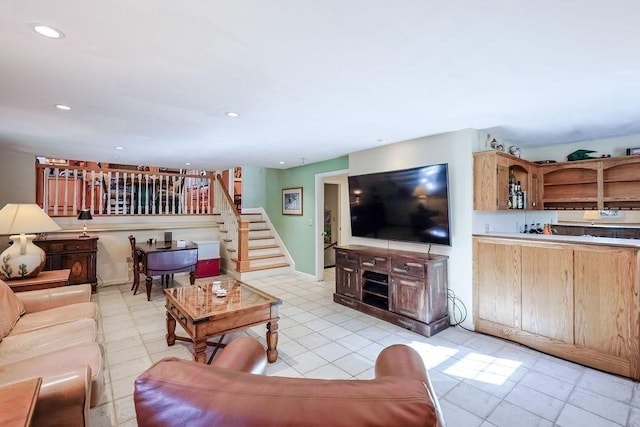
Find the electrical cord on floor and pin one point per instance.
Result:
(458, 310)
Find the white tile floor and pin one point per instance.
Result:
(480, 380)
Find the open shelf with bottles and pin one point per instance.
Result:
(493, 174)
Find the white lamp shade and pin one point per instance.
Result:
(23, 259)
(25, 218)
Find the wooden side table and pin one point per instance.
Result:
(44, 280)
(17, 402)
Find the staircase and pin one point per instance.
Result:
(250, 246)
(265, 252)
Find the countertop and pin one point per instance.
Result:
(589, 240)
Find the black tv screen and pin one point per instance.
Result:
(408, 205)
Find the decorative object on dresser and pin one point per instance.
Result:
(84, 216)
(405, 288)
(23, 259)
(78, 255)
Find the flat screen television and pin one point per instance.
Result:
(407, 205)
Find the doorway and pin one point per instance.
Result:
(331, 223)
(332, 229)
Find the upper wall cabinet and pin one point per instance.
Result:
(492, 173)
(608, 183)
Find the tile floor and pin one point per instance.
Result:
(480, 380)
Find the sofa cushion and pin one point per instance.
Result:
(59, 362)
(41, 341)
(55, 316)
(10, 309)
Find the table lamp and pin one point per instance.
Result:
(85, 216)
(23, 259)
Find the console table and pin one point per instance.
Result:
(76, 254)
(44, 280)
(405, 288)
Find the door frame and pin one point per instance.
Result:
(319, 209)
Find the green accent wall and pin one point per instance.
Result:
(254, 188)
(295, 231)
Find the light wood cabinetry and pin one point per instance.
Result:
(406, 288)
(606, 305)
(547, 292)
(491, 171)
(575, 301)
(608, 183)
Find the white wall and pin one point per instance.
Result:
(454, 148)
(18, 177)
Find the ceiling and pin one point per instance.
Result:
(310, 80)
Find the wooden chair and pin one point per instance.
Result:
(136, 265)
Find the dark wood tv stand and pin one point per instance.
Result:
(408, 289)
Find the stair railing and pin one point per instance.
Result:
(237, 229)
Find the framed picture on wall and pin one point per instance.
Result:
(292, 201)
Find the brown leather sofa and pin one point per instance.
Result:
(52, 334)
(175, 392)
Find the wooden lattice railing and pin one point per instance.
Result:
(65, 191)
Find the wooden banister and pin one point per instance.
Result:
(242, 242)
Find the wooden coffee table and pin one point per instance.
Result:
(203, 315)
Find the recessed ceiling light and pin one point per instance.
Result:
(118, 147)
(63, 107)
(47, 31)
(187, 163)
(232, 114)
(282, 163)
(382, 141)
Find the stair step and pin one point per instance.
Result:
(257, 248)
(260, 237)
(268, 266)
(268, 256)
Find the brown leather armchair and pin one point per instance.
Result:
(175, 392)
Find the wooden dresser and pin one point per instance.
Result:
(78, 255)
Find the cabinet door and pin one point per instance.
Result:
(606, 302)
(79, 266)
(408, 297)
(496, 278)
(547, 291)
(535, 189)
(348, 281)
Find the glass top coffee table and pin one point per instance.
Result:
(204, 315)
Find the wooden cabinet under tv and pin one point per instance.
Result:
(408, 289)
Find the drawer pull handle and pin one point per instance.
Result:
(370, 263)
(349, 270)
(401, 270)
